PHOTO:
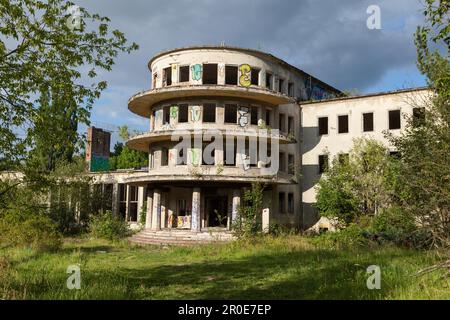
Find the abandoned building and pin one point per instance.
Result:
(231, 100)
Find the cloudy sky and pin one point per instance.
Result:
(327, 38)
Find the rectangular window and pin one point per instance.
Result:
(167, 76)
(291, 164)
(255, 76)
(281, 202)
(209, 157)
(291, 89)
(268, 114)
(281, 85)
(323, 163)
(282, 162)
(183, 114)
(182, 206)
(166, 115)
(368, 122)
(290, 203)
(323, 125)
(394, 119)
(164, 157)
(182, 156)
(209, 112)
(184, 74)
(281, 123)
(268, 81)
(394, 154)
(291, 125)
(254, 115)
(418, 116)
(151, 159)
(230, 113)
(210, 73)
(231, 75)
(229, 152)
(343, 124)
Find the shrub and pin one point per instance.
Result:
(107, 226)
(36, 231)
(248, 222)
(351, 236)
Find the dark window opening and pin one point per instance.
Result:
(166, 115)
(281, 202)
(290, 203)
(183, 114)
(167, 76)
(281, 85)
(367, 122)
(394, 154)
(281, 123)
(164, 157)
(268, 114)
(208, 159)
(255, 76)
(291, 164)
(184, 73)
(230, 113)
(209, 112)
(291, 125)
(229, 152)
(282, 162)
(343, 124)
(254, 115)
(323, 163)
(269, 81)
(323, 125)
(210, 73)
(418, 116)
(231, 75)
(291, 89)
(182, 156)
(394, 119)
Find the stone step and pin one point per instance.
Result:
(181, 237)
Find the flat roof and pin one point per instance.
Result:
(245, 50)
(382, 93)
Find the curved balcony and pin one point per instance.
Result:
(141, 142)
(141, 103)
(208, 173)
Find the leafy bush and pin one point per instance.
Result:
(248, 222)
(108, 226)
(34, 230)
(349, 237)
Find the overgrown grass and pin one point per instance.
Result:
(288, 267)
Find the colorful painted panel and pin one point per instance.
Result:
(98, 163)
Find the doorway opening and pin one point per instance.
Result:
(216, 211)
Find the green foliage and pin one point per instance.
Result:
(124, 157)
(351, 236)
(143, 215)
(32, 230)
(248, 222)
(108, 226)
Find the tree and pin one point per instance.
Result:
(124, 157)
(48, 53)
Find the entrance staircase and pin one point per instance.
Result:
(182, 237)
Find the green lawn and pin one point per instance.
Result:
(281, 268)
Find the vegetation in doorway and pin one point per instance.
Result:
(143, 214)
(248, 221)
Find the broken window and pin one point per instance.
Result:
(368, 122)
(268, 116)
(254, 115)
(280, 85)
(418, 116)
(184, 74)
(155, 77)
(343, 124)
(281, 123)
(231, 75)
(323, 125)
(394, 119)
(164, 156)
(182, 207)
(166, 115)
(281, 202)
(167, 76)
(210, 73)
(282, 162)
(323, 163)
(182, 156)
(291, 125)
(255, 76)
(291, 164)
(230, 113)
(209, 112)
(183, 113)
(291, 89)
(268, 81)
(290, 203)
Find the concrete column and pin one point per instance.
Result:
(195, 219)
(156, 216)
(235, 206)
(115, 200)
(265, 220)
(148, 217)
(163, 210)
(141, 199)
(127, 203)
